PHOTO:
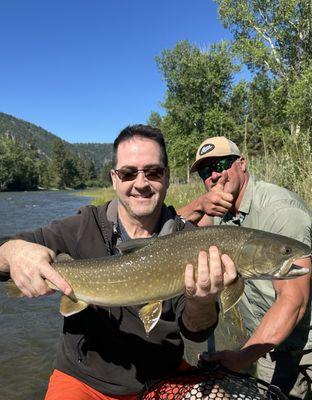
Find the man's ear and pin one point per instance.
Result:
(113, 178)
(243, 164)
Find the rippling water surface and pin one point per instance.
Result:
(30, 328)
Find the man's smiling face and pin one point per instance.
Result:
(141, 197)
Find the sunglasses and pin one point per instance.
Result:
(221, 165)
(150, 173)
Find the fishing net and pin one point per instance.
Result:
(213, 382)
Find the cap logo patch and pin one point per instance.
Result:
(206, 148)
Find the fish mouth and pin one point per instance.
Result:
(290, 270)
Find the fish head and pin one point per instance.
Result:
(270, 256)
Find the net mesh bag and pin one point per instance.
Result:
(214, 382)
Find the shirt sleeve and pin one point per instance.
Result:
(190, 335)
(59, 236)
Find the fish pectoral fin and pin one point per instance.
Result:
(231, 294)
(12, 290)
(63, 257)
(150, 314)
(70, 306)
(134, 244)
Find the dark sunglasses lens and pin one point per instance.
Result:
(126, 174)
(205, 172)
(222, 165)
(151, 174)
(154, 173)
(218, 166)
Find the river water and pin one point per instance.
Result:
(30, 328)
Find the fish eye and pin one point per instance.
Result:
(286, 250)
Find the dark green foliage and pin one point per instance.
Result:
(98, 153)
(19, 164)
(31, 157)
(22, 130)
(104, 175)
(154, 120)
(197, 101)
(262, 115)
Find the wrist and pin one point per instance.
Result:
(198, 206)
(198, 316)
(254, 351)
(6, 251)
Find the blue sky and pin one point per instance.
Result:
(84, 69)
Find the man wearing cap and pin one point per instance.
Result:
(277, 314)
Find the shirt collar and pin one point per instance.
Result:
(165, 226)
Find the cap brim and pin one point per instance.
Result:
(195, 165)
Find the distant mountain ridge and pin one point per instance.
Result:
(99, 153)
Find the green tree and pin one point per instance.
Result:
(197, 98)
(7, 161)
(104, 175)
(64, 166)
(271, 35)
(154, 120)
(275, 37)
(18, 164)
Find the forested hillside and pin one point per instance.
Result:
(31, 157)
(99, 153)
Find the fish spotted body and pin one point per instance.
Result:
(152, 270)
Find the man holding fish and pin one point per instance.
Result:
(277, 314)
(105, 352)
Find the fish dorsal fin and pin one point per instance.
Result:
(12, 290)
(134, 244)
(63, 257)
(70, 306)
(231, 294)
(150, 314)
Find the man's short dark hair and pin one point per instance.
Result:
(144, 131)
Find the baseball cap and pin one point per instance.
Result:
(218, 146)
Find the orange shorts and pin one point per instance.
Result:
(66, 387)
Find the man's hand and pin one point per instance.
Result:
(230, 359)
(202, 291)
(212, 276)
(215, 203)
(29, 265)
(219, 200)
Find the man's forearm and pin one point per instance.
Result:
(274, 328)
(192, 212)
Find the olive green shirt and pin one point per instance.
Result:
(273, 209)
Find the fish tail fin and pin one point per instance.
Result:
(70, 306)
(12, 290)
(231, 295)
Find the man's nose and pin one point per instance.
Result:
(141, 180)
(213, 179)
(215, 176)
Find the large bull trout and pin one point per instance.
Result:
(152, 270)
